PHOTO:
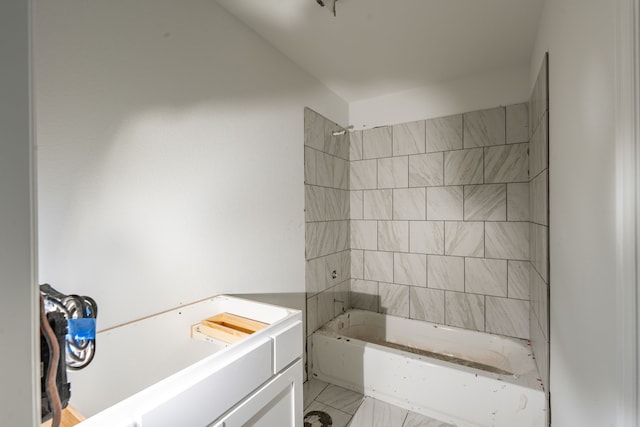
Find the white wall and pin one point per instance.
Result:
(170, 155)
(18, 374)
(492, 89)
(579, 36)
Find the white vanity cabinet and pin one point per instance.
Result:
(256, 381)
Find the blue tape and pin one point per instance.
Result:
(82, 329)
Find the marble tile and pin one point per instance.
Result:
(539, 148)
(394, 299)
(508, 317)
(540, 198)
(336, 145)
(517, 123)
(377, 143)
(363, 175)
(364, 235)
(540, 348)
(408, 138)
(314, 203)
(310, 166)
(418, 420)
(507, 240)
(485, 276)
(445, 203)
(355, 145)
(340, 263)
(324, 169)
(444, 133)
(426, 237)
(336, 204)
(484, 128)
(378, 266)
(463, 167)
(375, 413)
(426, 304)
(426, 170)
(342, 301)
(313, 129)
(393, 236)
(539, 298)
(518, 202)
(410, 269)
(340, 235)
(312, 315)
(356, 204)
(540, 249)
(445, 272)
(325, 306)
(464, 239)
(357, 264)
(364, 295)
(315, 275)
(311, 389)
(378, 204)
(507, 163)
(518, 279)
(315, 239)
(393, 172)
(464, 310)
(338, 418)
(485, 202)
(340, 173)
(340, 398)
(409, 203)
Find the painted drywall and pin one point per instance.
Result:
(170, 155)
(18, 374)
(478, 92)
(579, 35)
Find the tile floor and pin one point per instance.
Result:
(347, 408)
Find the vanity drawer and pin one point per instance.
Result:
(287, 346)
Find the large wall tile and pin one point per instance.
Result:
(364, 235)
(342, 299)
(356, 204)
(518, 279)
(517, 123)
(539, 156)
(507, 163)
(445, 272)
(364, 175)
(325, 306)
(507, 240)
(426, 170)
(315, 278)
(394, 299)
(464, 239)
(336, 145)
(336, 204)
(539, 198)
(357, 264)
(444, 133)
(508, 317)
(340, 264)
(325, 169)
(364, 295)
(376, 143)
(393, 172)
(340, 175)
(485, 276)
(540, 249)
(426, 237)
(408, 138)
(445, 203)
(463, 167)
(464, 310)
(378, 266)
(518, 202)
(485, 202)
(310, 166)
(313, 129)
(393, 236)
(378, 204)
(312, 314)
(409, 203)
(355, 145)
(484, 128)
(426, 304)
(410, 269)
(314, 203)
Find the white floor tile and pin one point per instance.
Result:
(417, 420)
(340, 398)
(311, 389)
(374, 413)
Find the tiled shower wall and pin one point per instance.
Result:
(440, 220)
(539, 231)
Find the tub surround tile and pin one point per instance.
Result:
(311, 389)
(408, 138)
(486, 276)
(517, 116)
(364, 295)
(507, 240)
(312, 315)
(336, 204)
(445, 272)
(364, 235)
(540, 347)
(507, 163)
(426, 170)
(325, 306)
(339, 418)
(444, 133)
(539, 198)
(539, 246)
(310, 166)
(518, 202)
(377, 143)
(518, 279)
(484, 128)
(356, 204)
(394, 299)
(375, 413)
(418, 420)
(485, 202)
(463, 167)
(340, 262)
(324, 169)
(508, 317)
(426, 237)
(464, 310)
(378, 266)
(539, 150)
(340, 398)
(314, 203)
(410, 269)
(393, 236)
(426, 304)
(539, 300)
(357, 264)
(336, 145)
(340, 173)
(363, 174)
(393, 172)
(342, 300)
(314, 125)
(409, 203)
(445, 203)
(355, 145)
(315, 275)
(464, 239)
(378, 204)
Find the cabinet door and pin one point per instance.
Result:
(277, 403)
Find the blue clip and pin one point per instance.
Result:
(82, 329)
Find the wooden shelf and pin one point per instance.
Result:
(226, 327)
(70, 418)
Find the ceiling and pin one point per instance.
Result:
(377, 47)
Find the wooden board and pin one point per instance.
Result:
(70, 418)
(227, 327)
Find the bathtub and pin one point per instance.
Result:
(467, 378)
